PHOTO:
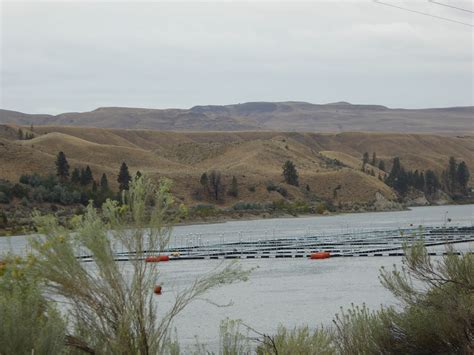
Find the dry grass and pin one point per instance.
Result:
(253, 157)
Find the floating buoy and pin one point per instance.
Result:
(157, 259)
(320, 255)
(157, 290)
(175, 253)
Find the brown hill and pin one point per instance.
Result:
(255, 158)
(261, 116)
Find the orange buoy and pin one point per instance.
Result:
(157, 290)
(320, 255)
(163, 258)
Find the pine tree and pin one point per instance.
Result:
(138, 174)
(20, 134)
(431, 182)
(62, 166)
(290, 174)
(365, 160)
(462, 177)
(452, 175)
(123, 177)
(374, 159)
(382, 165)
(76, 176)
(234, 188)
(104, 183)
(86, 176)
(215, 184)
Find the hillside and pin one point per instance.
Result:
(264, 116)
(325, 162)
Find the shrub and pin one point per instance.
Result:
(113, 309)
(298, 341)
(29, 324)
(4, 197)
(280, 189)
(203, 210)
(248, 206)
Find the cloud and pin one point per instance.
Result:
(79, 55)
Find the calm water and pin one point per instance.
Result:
(288, 291)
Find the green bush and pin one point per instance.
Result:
(249, 206)
(280, 189)
(29, 324)
(203, 210)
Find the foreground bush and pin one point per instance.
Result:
(111, 308)
(28, 322)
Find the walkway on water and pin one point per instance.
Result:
(374, 243)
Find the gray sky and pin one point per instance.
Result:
(77, 56)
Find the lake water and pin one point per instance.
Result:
(288, 291)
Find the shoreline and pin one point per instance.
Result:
(239, 216)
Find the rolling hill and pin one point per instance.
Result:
(264, 116)
(325, 161)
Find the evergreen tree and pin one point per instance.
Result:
(234, 188)
(382, 165)
(138, 174)
(398, 177)
(452, 175)
(431, 182)
(94, 187)
(204, 181)
(76, 176)
(215, 184)
(365, 159)
(86, 176)
(463, 177)
(374, 159)
(62, 166)
(290, 174)
(104, 183)
(20, 134)
(123, 177)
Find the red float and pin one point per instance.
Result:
(157, 259)
(157, 290)
(320, 255)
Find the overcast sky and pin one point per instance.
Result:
(77, 56)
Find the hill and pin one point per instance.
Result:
(264, 116)
(329, 165)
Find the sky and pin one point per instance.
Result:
(67, 56)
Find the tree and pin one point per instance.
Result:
(104, 183)
(365, 160)
(215, 185)
(62, 166)
(20, 134)
(204, 181)
(124, 177)
(86, 176)
(113, 309)
(138, 174)
(462, 177)
(290, 174)
(382, 165)
(431, 182)
(76, 176)
(234, 188)
(374, 159)
(452, 175)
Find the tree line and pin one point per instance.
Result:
(65, 187)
